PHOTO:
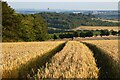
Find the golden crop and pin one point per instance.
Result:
(17, 54)
(109, 57)
(110, 46)
(97, 28)
(74, 61)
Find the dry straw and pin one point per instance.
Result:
(74, 61)
(18, 54)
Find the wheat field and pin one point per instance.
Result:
(108, 57)
(74, 61)
(115, 28)
(17, 54)
(110, 46)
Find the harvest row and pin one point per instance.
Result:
(75, 60)
(16, 55)
(107, 54)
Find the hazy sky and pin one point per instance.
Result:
(65, 5)
(62, 0)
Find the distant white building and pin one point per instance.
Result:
(77, 12)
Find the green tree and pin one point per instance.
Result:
(11, 23)
(55, 37)
(40, 28)
(76, 34)
(82, 34)
(119, 32)
(89, 34)
(22, 27)
(26, 30)
(113, 32)
(104, 33)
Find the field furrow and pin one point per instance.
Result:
(74, 61)
(23, 55)
(106, 53)
(110, 46)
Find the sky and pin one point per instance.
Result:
(65, 4)
(62, 0)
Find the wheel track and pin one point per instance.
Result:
(71, 62)
(108, 68)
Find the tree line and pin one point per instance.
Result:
(22, 27)
(85, 33)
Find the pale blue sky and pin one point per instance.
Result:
(65, 5)
(62, 0)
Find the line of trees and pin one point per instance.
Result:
(86, 33)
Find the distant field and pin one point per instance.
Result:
(97, 28)
(99, 38)
(115, 21)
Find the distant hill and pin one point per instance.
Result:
(107, 15)
(104, 14)
(73, 20)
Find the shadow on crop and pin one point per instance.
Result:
(108, 68)
(30, 68)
